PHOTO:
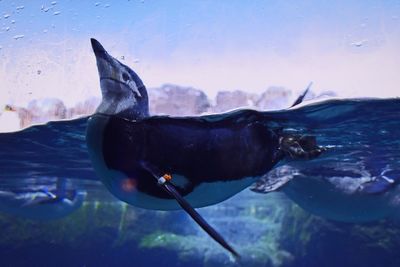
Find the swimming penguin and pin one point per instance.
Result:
(167, 163)
(42, 204)
(360, 191)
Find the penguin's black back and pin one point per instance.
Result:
(198, 148)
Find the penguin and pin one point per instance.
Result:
(42, 204)
(363, 190)
(168, 163)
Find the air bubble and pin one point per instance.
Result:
(359, 43)
(45, 9)
(19, 36)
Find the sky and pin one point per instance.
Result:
(350, 47)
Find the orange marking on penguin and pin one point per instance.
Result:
(129, 184)
(167, 177)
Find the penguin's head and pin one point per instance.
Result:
(123, 92)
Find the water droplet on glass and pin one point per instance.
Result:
(20, 7)
(13, 22)
(122, 57)
(19, 36)
(57, 13)
(7, 29)
(54, 3)
(45, 9)
(359, 43)
(6, 16)
(97, 4)
(107, 5)
(45, 31)
(136, 60)
(1, 47)
(39, 72)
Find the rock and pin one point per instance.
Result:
(43, 110)
(86, 107)
(227, 100)
(312, 240)
(47, 109)
(274, 98)
(326, 94)
(25, 117)
(323, 95)
(177, 101)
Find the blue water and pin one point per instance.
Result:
(368, 126)
(362, 138)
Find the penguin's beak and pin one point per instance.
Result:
(98, 49)
(107, 66)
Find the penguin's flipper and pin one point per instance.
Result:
(275, 179)
(301, 97)
(164, 182)
(270, 183)
(198, 219)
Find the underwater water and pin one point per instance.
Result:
(362, 163)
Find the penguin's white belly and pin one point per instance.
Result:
(203, 195)
(322, 199)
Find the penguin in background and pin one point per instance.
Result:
(168, 163)
(42, 204)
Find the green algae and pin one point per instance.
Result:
(67, 231)
(266, 231)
